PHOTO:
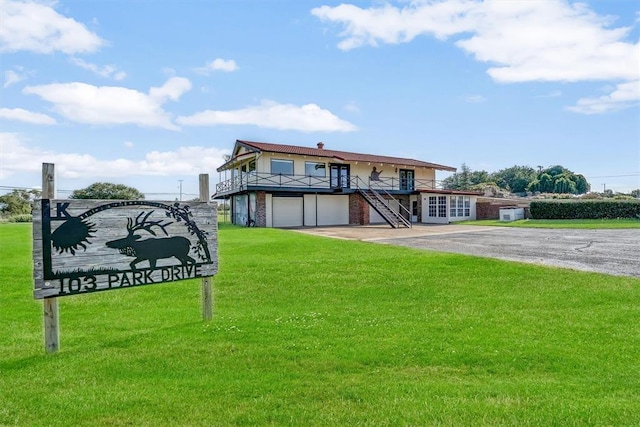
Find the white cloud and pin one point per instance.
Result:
(352, 107)
(218, 64)
(37, 27)
(173, 89)
(26, 116)
(524, 40)
(108, 71)
(128, 144)
(390, 24)
(270, 114)
(18, 157)
(11, 78)
(108, 105)
(475, 99)
(552, 94)
(625, 95)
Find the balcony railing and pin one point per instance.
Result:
(404, 184)
(257, 179)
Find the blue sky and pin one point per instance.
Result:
(152, 93)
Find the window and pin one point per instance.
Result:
(438, 206)
(460, 206)
(433, 205)
(340, 176)
(315, 169)
(284, 167)
(442, 206)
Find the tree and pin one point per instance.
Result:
(479, 177)
(556, 170)
(564, 185)
(520, 179)
(515, 179)
(106, 190)
(465, 179)
(582, 185)
(18, 201)
(558, 179)
(543, 183)
(450, 182)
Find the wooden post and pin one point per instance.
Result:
(50, 311)
(207, 292)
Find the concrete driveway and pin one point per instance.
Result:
(615, 252)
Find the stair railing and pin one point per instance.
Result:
(366, 190)
(386, 193)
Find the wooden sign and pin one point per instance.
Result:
(82, 246)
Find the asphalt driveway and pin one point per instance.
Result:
(615, 252)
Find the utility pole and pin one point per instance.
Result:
(604, 187)
(180, 180)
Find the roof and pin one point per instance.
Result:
(344, 156)
(451, 192)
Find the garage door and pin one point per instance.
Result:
(322, 209)
(287, 211)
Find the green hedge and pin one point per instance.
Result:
(20, 218)
(584, 209)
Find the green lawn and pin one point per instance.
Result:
(560, 223)
(312, 331)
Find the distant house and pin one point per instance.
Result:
(276, 185)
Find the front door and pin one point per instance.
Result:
(407, 179)
(339, 176)
(414, 208)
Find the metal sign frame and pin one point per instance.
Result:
(83, 246)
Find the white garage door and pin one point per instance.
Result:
(322, 209)
(287, 211)
(333, 210)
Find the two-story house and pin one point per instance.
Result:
(276, 185)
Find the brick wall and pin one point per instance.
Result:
(487, 208)
(261, 209)
(358, 210)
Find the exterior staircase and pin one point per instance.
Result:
(381, 205)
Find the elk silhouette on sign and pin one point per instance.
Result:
(151, 249)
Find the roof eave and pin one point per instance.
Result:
(236, 160)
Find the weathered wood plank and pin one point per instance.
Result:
(93, 245)
(50, 306)
(51, 326)
(207, 290)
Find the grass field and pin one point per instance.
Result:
(560, 223)
(313, 331)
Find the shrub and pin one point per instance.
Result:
(20, 218)
(584, 209)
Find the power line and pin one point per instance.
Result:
(7, 187)
(614, 176)
(11, 187)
